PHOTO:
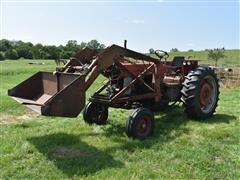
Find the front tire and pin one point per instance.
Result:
(95, 113)
(140, 124)
(200, 93)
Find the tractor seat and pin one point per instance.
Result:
(178, 62)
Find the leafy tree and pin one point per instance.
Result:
(11, 54)
(5, 45)
(190, 50)
(20, 49)
(38, 52)
(82, 45)
(72, 46)
(65, 54)
(151, 51)
(72, 43)
(94, 44)
(52, 52)
(174, 50)
(29, 44)
(2, 56)
(216, 54)
(25, 52)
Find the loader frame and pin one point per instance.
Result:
(67, 97)
(115, 55)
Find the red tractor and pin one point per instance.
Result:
(135, 81)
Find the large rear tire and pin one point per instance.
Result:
(200, 93)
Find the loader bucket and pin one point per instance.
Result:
(61, 94)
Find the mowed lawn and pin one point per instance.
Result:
(37, 147)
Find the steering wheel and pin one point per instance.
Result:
(161, 54)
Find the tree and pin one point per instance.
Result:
(52, 52)
(25, 52)
(72, 45)
(174, 50)
(65, 54)
(38, 52)
(190, 50)
(82, 45)
(94, 44)
(11, 54)
(216, 54)
(151, 51)
(2, 56)
(5, 45)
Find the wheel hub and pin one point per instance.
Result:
(97, 113)
(205, 94)
(143, 126)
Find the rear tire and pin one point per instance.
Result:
(95, 113)
(140, 124)
(200, 93)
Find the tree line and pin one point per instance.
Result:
(19, 49)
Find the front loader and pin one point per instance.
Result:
(135, 81)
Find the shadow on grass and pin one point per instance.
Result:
(73, 156)
(168, 126)
(220, 118)
(172, 119)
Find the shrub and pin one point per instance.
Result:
(2, 56)
(174, 50)
(151, 51)
(216, 54)
(12, 54)
(66, 54)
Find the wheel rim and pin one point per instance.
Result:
(144, 126)
(97, 113)
(208, 94)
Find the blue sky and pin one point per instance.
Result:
(158, 25)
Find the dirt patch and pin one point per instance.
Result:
(10, 119)
(64, 152)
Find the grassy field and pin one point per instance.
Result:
(37, 147)
(232, 58)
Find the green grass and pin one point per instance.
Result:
(59, 148)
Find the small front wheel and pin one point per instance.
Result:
(95, 113)
(140, 124)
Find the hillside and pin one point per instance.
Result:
(232, 58)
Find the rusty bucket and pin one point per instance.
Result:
(49, 94)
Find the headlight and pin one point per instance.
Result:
(189, 63)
